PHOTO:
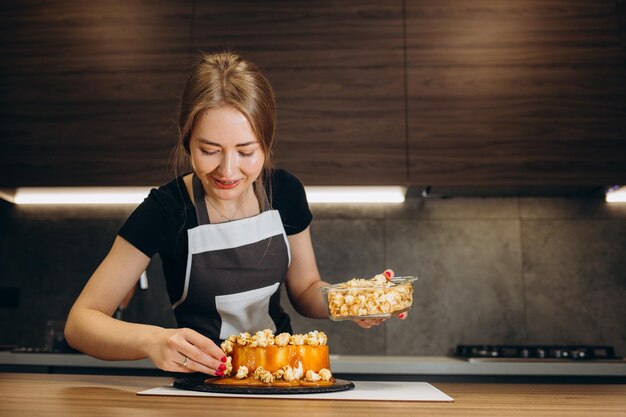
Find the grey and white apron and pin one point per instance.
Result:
(234, 273)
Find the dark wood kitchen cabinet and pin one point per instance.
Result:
(418, 92)
(337, 68)
(89, 90)
(516, 93)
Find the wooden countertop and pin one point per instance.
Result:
(54, 395)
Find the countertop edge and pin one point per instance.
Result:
(358, 364)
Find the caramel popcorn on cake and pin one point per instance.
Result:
(277, 360)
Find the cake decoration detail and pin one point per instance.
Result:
(274, 359)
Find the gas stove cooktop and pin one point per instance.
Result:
(536, 352)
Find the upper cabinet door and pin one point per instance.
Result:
(338, 72)
(89, 90)
(526, 92)
(422, 92)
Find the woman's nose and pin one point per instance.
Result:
(228, 164)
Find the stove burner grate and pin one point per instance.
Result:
(575, 352)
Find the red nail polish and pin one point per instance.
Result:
(402, 315)
(223, 359)
(219, 373)
(387, 274)
(222, 367)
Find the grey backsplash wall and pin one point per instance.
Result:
(492, 271)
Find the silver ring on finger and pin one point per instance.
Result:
(186, 361)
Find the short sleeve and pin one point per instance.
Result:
(289, 198)
(147, 227)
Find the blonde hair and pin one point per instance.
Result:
(226, 79)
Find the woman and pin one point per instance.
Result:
(229, 233)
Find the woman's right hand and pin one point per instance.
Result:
(185, 350)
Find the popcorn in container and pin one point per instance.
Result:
(369, 298)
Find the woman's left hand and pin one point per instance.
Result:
(368, 323)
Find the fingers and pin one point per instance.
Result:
(206, 357)
(190, 365)
(388, 273)
(369, 323)
(194, 352)
(181, 365)
(205, 344)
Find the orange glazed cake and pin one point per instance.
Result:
(283, 360)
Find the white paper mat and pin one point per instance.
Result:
(364, 390)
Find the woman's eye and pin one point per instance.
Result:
(246, 154)
(208, 152)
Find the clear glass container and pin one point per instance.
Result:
(360, 299)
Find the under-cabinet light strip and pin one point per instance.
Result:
(616, 194)
(135, 195)
(355, 194)
(81, 195)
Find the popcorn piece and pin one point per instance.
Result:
(263, 338)
(312, 376)
(267, 377)
(379, 280)
(258, 372)
(244, 339)
(278, 375)
(263, 375)
(269, 334)
(282, 339)
(229, 366)
(288, 374)
(325, 374)
(297, 339)
(292, 374)
(316, 338)
(298, 372)
(311, 338)
(242, 372)
(227, 346)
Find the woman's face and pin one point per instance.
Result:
(225, 153)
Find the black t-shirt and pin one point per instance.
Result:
(160, 223)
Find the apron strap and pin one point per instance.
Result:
(200, 203)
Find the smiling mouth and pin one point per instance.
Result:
(226, 184)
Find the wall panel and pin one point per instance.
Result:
(497, 93)
(89, 90)
(337, 68)
(515, 93)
